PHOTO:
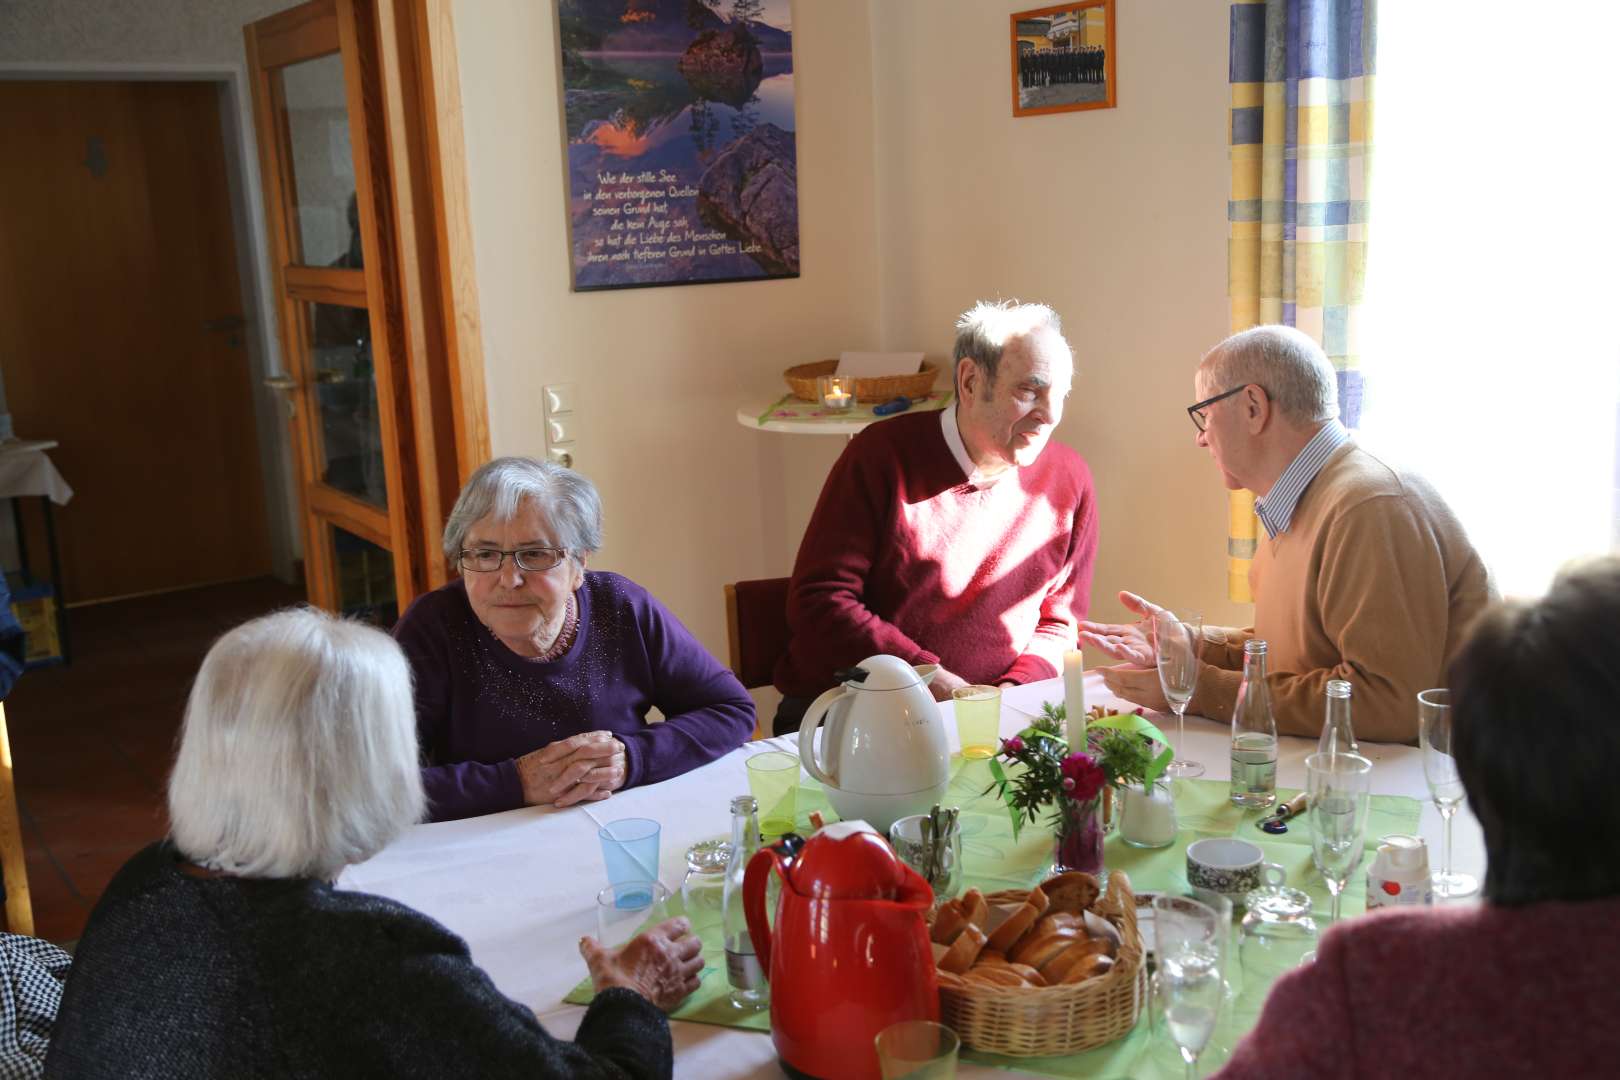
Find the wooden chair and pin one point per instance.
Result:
(13, 864)
(756, 631)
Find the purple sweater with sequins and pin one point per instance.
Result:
(479, 706)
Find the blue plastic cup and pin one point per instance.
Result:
(630, 849)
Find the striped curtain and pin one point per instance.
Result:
(1301, 126)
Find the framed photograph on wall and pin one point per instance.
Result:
(682, 157)
(1063, 58)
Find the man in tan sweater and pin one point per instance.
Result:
(1364, 573)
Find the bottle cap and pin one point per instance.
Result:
(1405, 852)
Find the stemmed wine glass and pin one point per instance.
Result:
(1191, 981)
(1175, 646)
(1340, 787)
(1445, 786)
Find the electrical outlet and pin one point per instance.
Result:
(559, 398)
(562, 456)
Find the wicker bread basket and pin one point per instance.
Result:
(801, 379)
(1056, 1020)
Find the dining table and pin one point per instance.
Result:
(520, 886)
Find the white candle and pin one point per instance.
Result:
(837, 399)
(1074, 698)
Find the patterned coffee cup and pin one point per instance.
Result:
(1230, 866)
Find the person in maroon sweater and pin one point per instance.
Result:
(1524, 984)
(960, 538)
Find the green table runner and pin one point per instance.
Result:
(992, 860)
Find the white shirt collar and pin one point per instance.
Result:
(1276, 508)
(953, 439)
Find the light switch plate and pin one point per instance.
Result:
(559, 431)
(559, 398)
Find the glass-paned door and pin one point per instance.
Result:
(327, 204)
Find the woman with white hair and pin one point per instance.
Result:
(534, 676)
(225, 951)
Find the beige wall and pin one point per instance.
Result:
(1115, 217)
(913, 177)
(692, 500)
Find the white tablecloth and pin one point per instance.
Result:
(26, 470)
(520, 886)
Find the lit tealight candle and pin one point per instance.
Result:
(836, 400)
(1074, 697)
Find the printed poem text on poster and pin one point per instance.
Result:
(651, 216)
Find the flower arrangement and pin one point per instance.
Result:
(1119, 751)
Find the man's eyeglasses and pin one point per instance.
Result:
(1197, 411)
(488, 560)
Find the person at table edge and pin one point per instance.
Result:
(227, 950)
(962, 537)
(1523, 984)
(534, 676)
(1364, 573)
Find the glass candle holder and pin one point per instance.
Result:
(837, 392)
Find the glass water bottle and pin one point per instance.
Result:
(1338, 737)
(748, 989)
(1254, 735)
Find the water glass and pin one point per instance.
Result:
(1176, 644)
(938, 860)
(773, 781)
(704, 886)
(1445, 786)
(917, 1050)
(1340, 787)
(1191, 990)
(1277, 935)
(630, 849)
(628, 908)
(978, 719)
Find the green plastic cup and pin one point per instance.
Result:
(773, 780)
(978, 719)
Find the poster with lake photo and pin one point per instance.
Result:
(682, 166)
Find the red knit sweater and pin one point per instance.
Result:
(903, 556)
(1479, 990)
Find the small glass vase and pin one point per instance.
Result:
(1078, 841)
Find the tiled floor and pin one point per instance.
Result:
(92, 741)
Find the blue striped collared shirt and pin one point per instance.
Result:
(1276, 509)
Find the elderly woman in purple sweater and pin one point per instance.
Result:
(534, 676)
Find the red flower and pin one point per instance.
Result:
(1083, 778)
(1013, 745)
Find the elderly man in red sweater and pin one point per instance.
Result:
(958, 537)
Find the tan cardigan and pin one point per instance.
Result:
(1374, 582)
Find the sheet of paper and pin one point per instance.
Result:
(862, 365)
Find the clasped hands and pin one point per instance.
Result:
(587, 767)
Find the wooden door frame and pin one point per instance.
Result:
(247, 207)
(421, 284)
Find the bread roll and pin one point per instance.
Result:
(976, 909)
(1073, 892)
(1097, 926)
(948, 922)
(963, 951)
(1091, 966)
(1058, 968)
(1060, 920)
(1028, 974)
(991, 956)
(1036, 949)
(1014, 926)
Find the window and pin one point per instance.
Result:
(1490, 343)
